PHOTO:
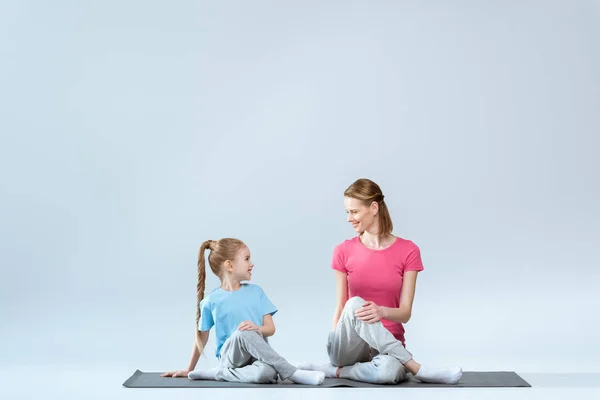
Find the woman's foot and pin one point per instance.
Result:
(439, 375)
(305, 377)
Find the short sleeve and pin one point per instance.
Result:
(266, 306)
(338, 261)
(413, 260)
(206, 318)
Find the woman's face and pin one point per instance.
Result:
(360, 216)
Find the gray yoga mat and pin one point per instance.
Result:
(470, 379)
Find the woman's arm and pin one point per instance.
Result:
(403, 313)
(341, 295)
(268, 326)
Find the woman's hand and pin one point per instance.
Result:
(370, 312)
(247, 326)
(176, 374)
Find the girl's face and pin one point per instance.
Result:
(360, 216)
(241, 266)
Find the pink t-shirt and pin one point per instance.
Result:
(377, 275)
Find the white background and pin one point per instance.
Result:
(131, 131)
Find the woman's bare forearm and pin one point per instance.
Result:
(401, 314)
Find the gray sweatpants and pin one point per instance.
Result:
(247, 357)
(367, 352)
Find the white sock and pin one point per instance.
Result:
(438, 375)
(204, 374)
(328, 369)
(305, 377)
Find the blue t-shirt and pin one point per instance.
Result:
(225, 310)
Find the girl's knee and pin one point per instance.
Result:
(241, 335)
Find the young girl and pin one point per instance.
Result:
(242, 316)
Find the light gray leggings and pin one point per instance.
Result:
(247, 357)
(367, 352)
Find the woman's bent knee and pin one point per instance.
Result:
(353, 304)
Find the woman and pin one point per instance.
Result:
(376, 275)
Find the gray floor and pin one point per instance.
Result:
(102, 382)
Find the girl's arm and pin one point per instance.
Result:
(341, 295)
(268, 326)
(203, 336)
(402, 314)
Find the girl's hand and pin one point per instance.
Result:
(176, 374)
(370, 313)
(247, 326)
